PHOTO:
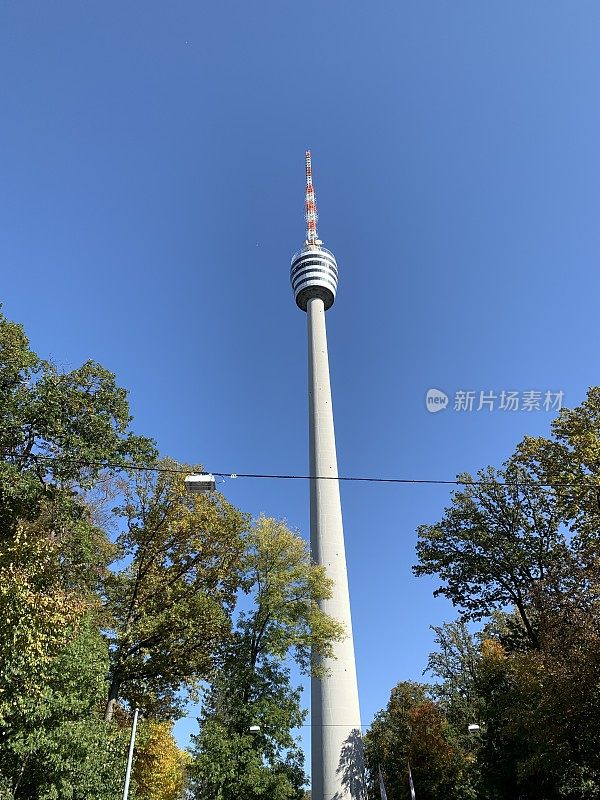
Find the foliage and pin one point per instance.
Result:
(53, 743)
(570, 461)
(253, 688)
(230, 761)
(526, 558)
(413, 730)
(35, 615)
(53, 659)
(542, 736)
(286, 587)
(170, 606)
(498, 541)
(159, 766)
(455, 663)
(56, 429)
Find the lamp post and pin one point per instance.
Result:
(130, 756)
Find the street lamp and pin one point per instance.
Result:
(200, 484)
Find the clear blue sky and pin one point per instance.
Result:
(151, 196)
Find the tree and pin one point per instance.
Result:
(57, 430)
(525, 556)
(58, 433)
(413, 729)
(455, 663)
(543, 736)
(512, 763)
(231, 761)
(53, 743)
(160, 766)
(537, 707)
(570, 461)
(499, 540)
(286, 587)
(253, 687)
(170, 607)
(37, 614)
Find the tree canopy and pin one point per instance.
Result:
(253, 688)
(412, 730)
(170, 606)
(519, 550)
(498, 541)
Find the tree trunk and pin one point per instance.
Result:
(533, 637)
(113, 695)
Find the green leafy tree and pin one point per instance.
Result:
(455, 664)
(569, 460)
(286, 587)
(230, 760)
(53, 742)
(58, 432)
(170, 606)
(511, 764)
(530, 547)
(495, 545)
(253, 687)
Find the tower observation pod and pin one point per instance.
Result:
(336, 744)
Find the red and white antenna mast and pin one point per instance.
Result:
(310, 206)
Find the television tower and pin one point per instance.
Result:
(336, 745)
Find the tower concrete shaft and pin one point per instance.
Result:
(336, 745)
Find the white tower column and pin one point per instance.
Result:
(337, 763)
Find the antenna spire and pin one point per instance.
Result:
(311, 206)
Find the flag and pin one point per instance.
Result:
(382, 786)
(411, 784)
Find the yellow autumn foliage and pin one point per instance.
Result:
(492, 650)
(160, 765)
